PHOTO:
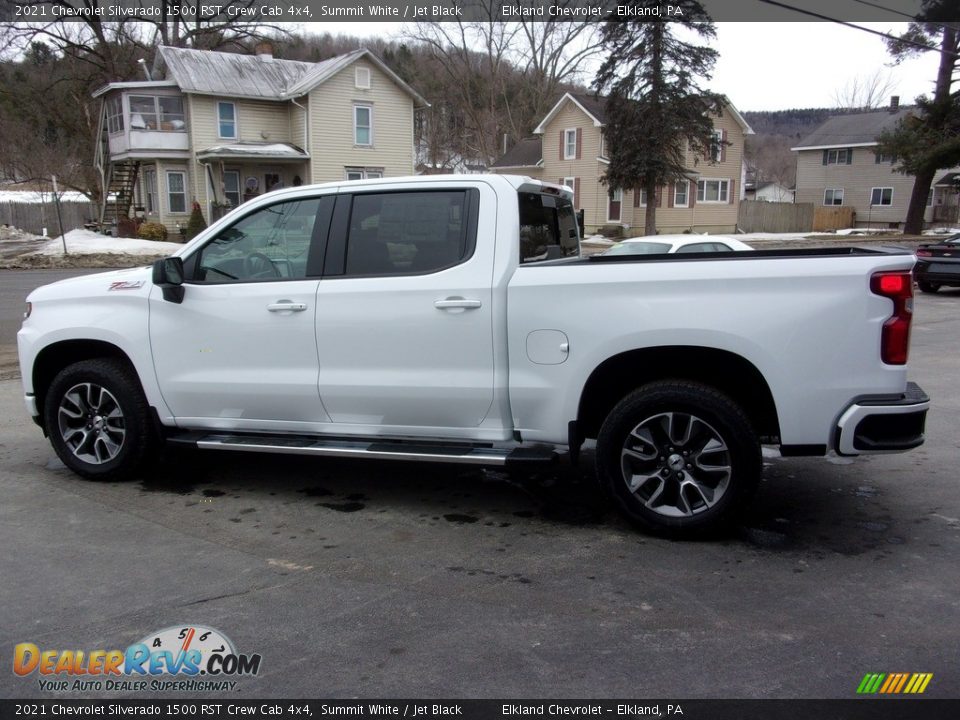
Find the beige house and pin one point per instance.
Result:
(570, 150)
(838, 166)
(220, 128)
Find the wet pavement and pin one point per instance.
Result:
(367, 579)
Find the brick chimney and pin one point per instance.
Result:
(894, 103)
(264, 50)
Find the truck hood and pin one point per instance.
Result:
(127, 281)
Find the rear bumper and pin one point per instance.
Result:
(943, 274)
(873, 425)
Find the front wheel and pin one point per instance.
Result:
(928, 287)
(679, 458)
(98, 419)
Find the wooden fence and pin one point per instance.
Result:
(833, 218)
(34, 217)
(775, 217)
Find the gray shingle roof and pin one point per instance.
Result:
(596, 106)
(526, 153)
(252, 76)
(220, 73)
(853, 129)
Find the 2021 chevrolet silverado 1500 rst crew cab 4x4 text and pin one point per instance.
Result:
(452, 319)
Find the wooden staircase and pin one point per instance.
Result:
(121, 181)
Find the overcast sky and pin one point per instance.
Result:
(776, 66)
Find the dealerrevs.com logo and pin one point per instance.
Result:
(185, 658)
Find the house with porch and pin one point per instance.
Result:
(220, 128)
(569, 149)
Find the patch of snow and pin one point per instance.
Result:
(272, 149)
(861, 231)
(31, 196)
(942, 231)
(87, 242)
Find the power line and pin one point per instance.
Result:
(884, 35)
(898, 12)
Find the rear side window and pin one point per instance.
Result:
(407, 233)
(548, 228)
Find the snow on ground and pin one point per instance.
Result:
(30, 196)
(942, 231)
(86, 242)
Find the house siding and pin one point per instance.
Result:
(593, 196)
(857, 179)
(331, 126)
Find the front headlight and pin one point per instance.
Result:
(29, 310)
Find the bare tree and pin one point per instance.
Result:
(496, 78)
(865, 92)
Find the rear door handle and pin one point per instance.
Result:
(457, 302)
(286, 306)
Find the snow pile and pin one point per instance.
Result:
(31, 196)
(12, 234)
(86, 242)
(942, 231)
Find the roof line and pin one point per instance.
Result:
(540, 129)
(833, 147)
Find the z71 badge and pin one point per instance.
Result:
(126, 285)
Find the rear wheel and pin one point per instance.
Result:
(98, 419)
(679, 458)
(928, 287)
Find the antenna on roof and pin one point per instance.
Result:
(146, 71)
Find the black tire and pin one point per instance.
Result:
(927, 287)
(658, 480)
(98, 419)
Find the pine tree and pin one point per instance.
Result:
(928, 140)
(656, 108)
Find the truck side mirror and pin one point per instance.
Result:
(168, 275)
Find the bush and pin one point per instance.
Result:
(197, 224)
(152, 231)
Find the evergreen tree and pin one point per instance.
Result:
(928, 140)
(656, 108)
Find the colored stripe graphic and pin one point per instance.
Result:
(894, 683)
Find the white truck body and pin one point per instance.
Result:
(489, 350)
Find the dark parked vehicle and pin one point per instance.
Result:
(938, 264)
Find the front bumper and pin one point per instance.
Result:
(873, 425)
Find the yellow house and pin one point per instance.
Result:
(220, 128)
(572, 152)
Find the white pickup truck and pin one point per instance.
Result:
(452, 319)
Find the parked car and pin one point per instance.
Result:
(669, 244)
(938, 264)
(452, 319)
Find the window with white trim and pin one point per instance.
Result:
(716, 145)
(681, 194)
(881, 196)
(227, 120)
(363, 173)
(114, 115)
(150, 188)
(570, 144)
(176, 191)
(361, 78)
(231, 187)
(713, 191)
(833, 196)
(362, 125)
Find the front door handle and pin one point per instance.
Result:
(286, 306)
(457, 302)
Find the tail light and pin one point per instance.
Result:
(924, 253)
(895, 336)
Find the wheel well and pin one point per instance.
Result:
(54, 358)
(731, 374)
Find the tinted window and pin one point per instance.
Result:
(269, 244)
(548, 228)
(406, 233)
